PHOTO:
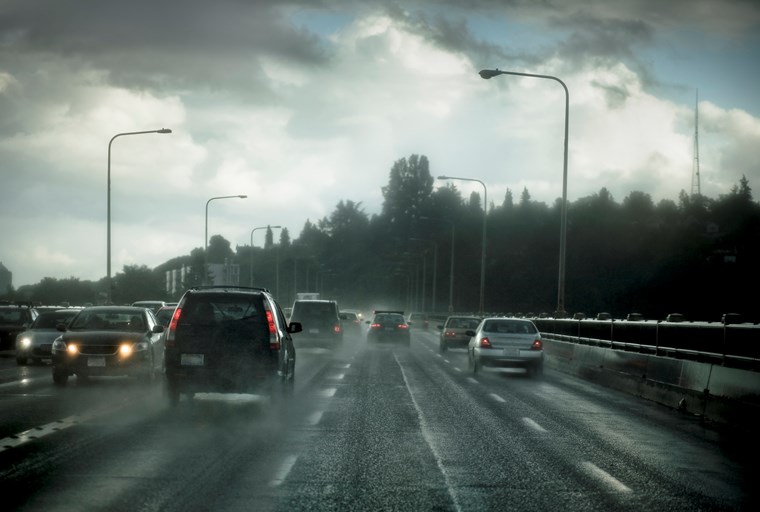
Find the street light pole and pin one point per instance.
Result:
(252, 231)
(490, 73)
(451, 268)
(435, 268)
(108, 206)
(483, 246)
(205, 246)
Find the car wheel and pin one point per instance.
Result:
(172, 394)
(21, 361)
(443, 346)
(60, 378)
(536, 370)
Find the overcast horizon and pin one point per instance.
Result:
(299, 105)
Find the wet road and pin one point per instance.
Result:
(368, 428)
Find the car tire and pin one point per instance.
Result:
(443, 346)
(21, 361)
(537, 370)
(60, 379)
(172, 393)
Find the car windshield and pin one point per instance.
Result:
(49, 320)
(424, 255)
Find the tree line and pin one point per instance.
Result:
(696, 256)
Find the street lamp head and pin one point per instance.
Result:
(164, 130)
(489, 73)
(443, 177)
(242, 196)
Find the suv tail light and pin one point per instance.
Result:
(403, 326)
(485, 343)
(375, 326)
(537, 345)
(173, 328)
(336, 329)
(274, 339)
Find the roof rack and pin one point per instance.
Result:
(228, 287)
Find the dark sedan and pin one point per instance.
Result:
(388, 326)
(109, 340)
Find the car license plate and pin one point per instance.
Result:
(191, 360)
(511, 352)
(98, 362)
(313, 331)
(390, 329)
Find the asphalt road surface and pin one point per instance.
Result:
(368, 428)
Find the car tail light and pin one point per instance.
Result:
(537, 345)
(485, 343)
(274, 340)
(374, 326)
(169, 342)
(403, 326)
(336, 329)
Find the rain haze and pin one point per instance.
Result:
(300, 105)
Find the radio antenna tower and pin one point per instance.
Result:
(695, 186)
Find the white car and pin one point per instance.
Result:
(506, 342)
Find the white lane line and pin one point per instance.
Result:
(532, 424)
(328, 392)
(314, 418)
(457, 369)
(438, 355)
(446, 361)
(471, 380)
(345, 366)
(496, 397)
(45, 430)
(605, 477)
(428, 439)
(283, 471)
(337, 377)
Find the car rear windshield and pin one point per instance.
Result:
(463, 323)
(210, 309)
(509, 327)
(303, 310)
(389, 319)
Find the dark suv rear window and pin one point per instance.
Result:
(303, 311)
(208, 309)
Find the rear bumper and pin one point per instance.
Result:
(498, 358)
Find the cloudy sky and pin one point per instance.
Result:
(299, 104)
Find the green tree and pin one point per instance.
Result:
(407, 194)
(219, 250)
(137, 283)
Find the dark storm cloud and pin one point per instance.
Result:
(147, 43)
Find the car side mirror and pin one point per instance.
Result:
(157, 329)
(470, 333)
(294, 327)
(440, 327)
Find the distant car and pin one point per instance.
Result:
(229, 340)
(14, 319)
(109, 340)
(675, 317)
(320, 323)
(454, 331)
(417, 320)
(350, 323)
(603, 316)
(164, 315)
(36, 343)
(506, 342)
(634, 317)
(388, 326)
(153, 305)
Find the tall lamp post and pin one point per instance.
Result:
(108, 207)
(435, 268)
(483, 246)
(205, 246)
(252, 231)
(451, 268)
(490, 73)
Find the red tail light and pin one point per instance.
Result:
(173, 327)
(537, 345)
(274, 340)
(485, 343)
(374, 326)
(337, 329)
(403, 326)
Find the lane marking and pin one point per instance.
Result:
(345, 366)
(532, 424)
(471, 380)
(328, 392)
(604, 477)
(457, 369)
(337, 377)
(428, 439)
(446, 361)
(24, 382)
(284, 470)
(314, 418)
(497, 397)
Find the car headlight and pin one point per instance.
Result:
(25, 342)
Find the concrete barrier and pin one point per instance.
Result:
(714, 393)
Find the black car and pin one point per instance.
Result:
(106, 341)
(388, 326)
(14, 318)
(320, 320)
(228, 340)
